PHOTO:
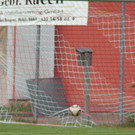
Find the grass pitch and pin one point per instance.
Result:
(15, 129)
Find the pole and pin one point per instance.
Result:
(87, 88)
(86, 85)
(37, 71)
(122, 60)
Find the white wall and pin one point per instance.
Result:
(26, 57)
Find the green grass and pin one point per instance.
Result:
(15, 129)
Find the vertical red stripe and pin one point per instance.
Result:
(14, 62)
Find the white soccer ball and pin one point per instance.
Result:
(75, 110)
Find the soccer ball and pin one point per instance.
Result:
(75, 110)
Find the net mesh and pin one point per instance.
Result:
(42, 93)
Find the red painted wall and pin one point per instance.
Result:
(105, 69)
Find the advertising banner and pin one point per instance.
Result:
(41, 12)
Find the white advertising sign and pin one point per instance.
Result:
(43, 12)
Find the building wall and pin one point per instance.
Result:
(106, 55)
(3, 75)
(21, 59)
